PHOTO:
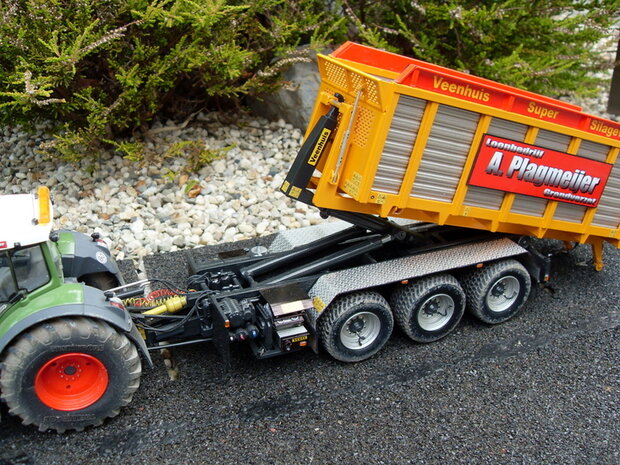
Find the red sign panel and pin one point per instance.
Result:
(521, 168)
(605, 128)
(2, 244)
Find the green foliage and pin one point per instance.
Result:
(546, 46)
(105, 68)
(191, 184)
(131, 149)
(195, 153)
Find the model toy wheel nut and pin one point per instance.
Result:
(503, 294)
(360, 331)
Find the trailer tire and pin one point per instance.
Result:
(69, 373)
(428, 309)
(498, 291)
(356, 326)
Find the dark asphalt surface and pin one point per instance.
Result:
(543, 388)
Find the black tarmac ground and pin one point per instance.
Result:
(542, 388)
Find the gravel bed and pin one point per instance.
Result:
(151, 207)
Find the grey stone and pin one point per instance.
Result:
(294, 102)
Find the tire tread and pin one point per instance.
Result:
(65, 329)
(476, 283)
(336, 309)
(405, 297)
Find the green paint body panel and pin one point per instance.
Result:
(52, 294)
(43, 298)
(65, 243)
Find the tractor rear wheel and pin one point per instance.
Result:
(69, 373)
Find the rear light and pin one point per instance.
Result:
(96, 237)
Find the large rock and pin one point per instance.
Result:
(294, 102)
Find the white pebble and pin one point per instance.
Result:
(144, 210)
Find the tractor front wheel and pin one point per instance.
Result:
(69, 373)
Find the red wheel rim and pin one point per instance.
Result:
(71, 381)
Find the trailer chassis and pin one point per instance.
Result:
(270, 300)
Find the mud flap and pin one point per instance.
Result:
(83, 255)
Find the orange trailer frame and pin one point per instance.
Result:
(416, 140)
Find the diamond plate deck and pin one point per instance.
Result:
(287, 240)
(329, 286)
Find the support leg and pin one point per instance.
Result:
(597, 254)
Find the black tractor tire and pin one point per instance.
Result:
(69, 374)
(355, 326)
(429, 308)
(102, 280)
(496, 293)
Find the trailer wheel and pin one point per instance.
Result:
(356, 326)
(429, 308)
(497, 292)
(69, 373)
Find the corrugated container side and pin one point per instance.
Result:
(409, 152)
(399, 144)
(445, 154)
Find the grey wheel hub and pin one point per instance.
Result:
(435, 312)
(503, 294)
(360, 330)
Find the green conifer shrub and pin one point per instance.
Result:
(546, 46)
(105, 68)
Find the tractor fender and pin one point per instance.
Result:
(116, 317)
(82, 255)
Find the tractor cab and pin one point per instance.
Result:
(23, 236)
(22, 271)
(52, 289)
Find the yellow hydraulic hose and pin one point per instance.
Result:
(171, 305)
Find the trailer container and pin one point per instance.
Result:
(419, 141)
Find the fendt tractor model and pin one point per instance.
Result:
(440, 181)
(63, 341)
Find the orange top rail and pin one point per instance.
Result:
(416, 73)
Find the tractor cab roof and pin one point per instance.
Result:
(26, 219)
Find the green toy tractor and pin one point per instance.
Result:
(70, 353)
